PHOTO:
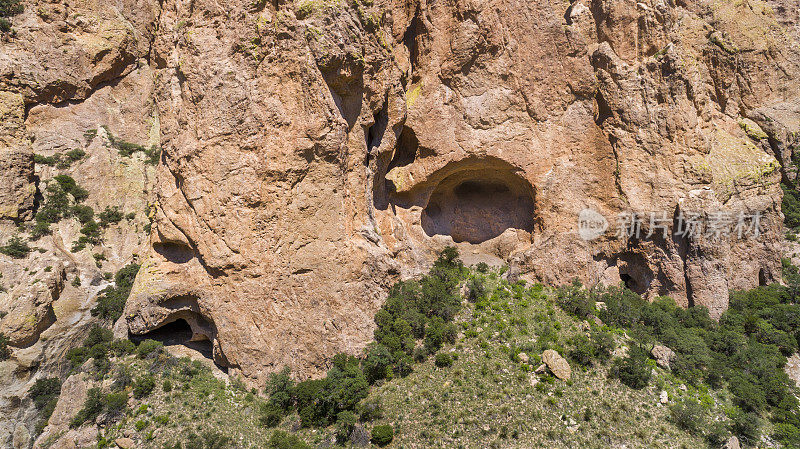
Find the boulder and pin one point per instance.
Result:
(125, 443)
(733, 443)
(663, 355)
(557, 364)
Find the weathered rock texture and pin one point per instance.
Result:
(68, 68)
(315, 152)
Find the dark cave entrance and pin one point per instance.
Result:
(179, 332)
(478, 205)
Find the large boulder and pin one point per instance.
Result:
(556, 364)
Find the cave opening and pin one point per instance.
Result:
(478, 205)
(179, 333)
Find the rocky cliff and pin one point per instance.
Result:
(314, 152)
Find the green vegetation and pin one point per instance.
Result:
(111, 301)
(44, 394)
(127, 149)
(16, 248)
(469, 378)
(760, 328)
(60, 160)
(4, 351)
(382, 435)
(8, 8)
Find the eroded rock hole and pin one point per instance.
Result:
(174, 252)
(406, 151)
(478, 205)
(180, 333)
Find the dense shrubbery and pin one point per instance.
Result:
(746, 351)
(111, 301)
(382, 435)
(44, 394)
(791, 206)
(417, 310)
(4, 351)
(283, 440)
(16, 248)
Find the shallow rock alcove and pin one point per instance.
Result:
(476, 205)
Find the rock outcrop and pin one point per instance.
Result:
(315, 152)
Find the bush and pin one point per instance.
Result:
(345, 422)
(16, 248)
(633, 370)
(143, 386)
(166, 386)
(370, 410)
(280, 387)
(111, 301)
(443, 360)
(98, 335)
(44, 390)
(148, 348)
(5, 353)
(270, 415)
(378, 363)
(382, 435)
(116, 403)
(110, 215)
(576, 300)
(688, 415)
(284, 440)
(92, 408)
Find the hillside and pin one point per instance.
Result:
(480, 385)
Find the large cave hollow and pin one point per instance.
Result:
(186, 329)
(478, 204)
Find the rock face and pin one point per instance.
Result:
(316, 152)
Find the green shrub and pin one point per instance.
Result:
(345, 422)
(378, 363)
(143, 386)
(116, 403)
(575, 300)
(16, 248)
(92, 408)
(40, 229)
(110, 215)
(688, 415)
(76, 154)
(370, 410)
(123, 347)
(280, 387)
(633, 370)
(382, 435)
(443, 360)
(5, 352)
(111, 301)
(167, 386)
(270, 415)
(44, 390)
(83, 213)
(45, 160)
(98, 335)
(284, 440)
(140, 425)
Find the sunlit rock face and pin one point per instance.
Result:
(315, 155)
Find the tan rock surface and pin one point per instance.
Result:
(557, 364)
